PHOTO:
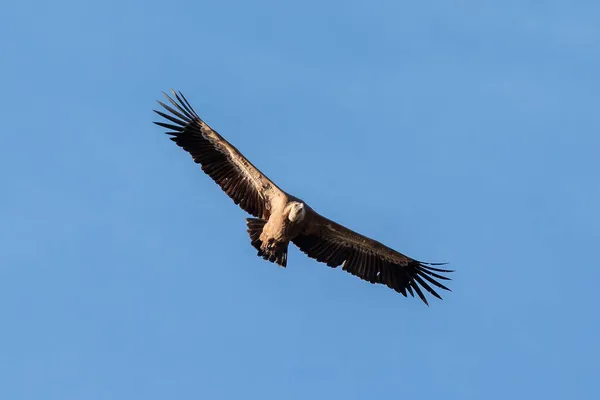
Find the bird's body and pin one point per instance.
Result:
(286, 221)
(284, 224)
(281, 218)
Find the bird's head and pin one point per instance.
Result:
(297, 212)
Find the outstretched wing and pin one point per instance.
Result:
(242, 181)
(333, 244)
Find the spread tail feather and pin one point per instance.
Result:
(278, 254)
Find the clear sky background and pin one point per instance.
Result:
(462, 131)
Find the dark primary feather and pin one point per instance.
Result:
(218, 158)
(370, 260)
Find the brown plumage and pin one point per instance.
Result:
(281, 218)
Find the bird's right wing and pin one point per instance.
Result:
(219, 159)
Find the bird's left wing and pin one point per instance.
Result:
(334, 244)
(219, 159)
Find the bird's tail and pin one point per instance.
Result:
(277, 254)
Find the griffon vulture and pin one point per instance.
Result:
(281, 218)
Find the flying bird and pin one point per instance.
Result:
(281, 218)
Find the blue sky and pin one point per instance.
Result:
(466, 132)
